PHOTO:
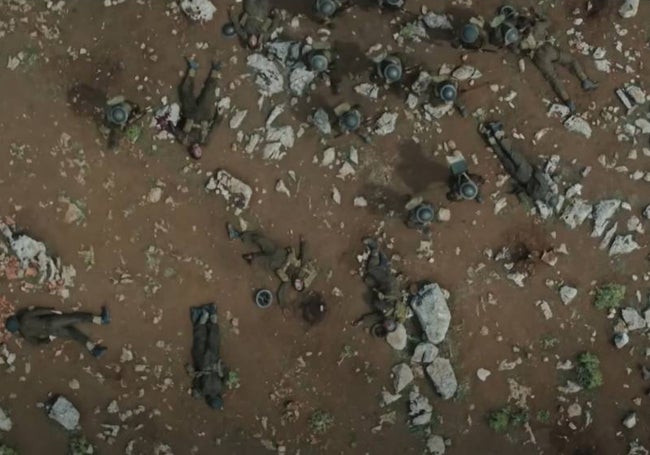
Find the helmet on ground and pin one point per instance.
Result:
(326, 7)
(395, 3)
(507, 11)
(117, 114)
(12, 324)
(510, 34)
(447, 92)
(470, 33)
(318, 62)
(392, 72)
(228, 30)
(351, 120)
(215, 402)
(263, 298)
(468, 190)
(424, 213)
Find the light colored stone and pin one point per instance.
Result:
(483, 374)
(420, 410)
(643, 125)
(237, 119)
(629, 8)
(432, 312)
(64, 413)
(443, 377)
(329, 156)
(629, 421)
(5, 422)
(268, 78)
(402, 376)
(197, 10)
(603, 211)
(424, 353)
(623, 244)
(574, 410)
(367, 89)
(360, 201)
(155, 195)
(444, 214)
(398, 338)
(299, 80)
(621, 340)
(436, 445)
(576, 213)
(633, 319)
(577, 124)
(465, 73)
(385, 125)
(567, 294)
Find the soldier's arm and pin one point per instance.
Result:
(237, 24)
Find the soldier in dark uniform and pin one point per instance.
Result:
(536, 183)
(207, 372)
(255, 23)
(41, 325)
(198, 115)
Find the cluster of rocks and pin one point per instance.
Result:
(236, 193)
(26, 259)
(429, 306)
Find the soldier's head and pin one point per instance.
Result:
(215, 402)
(195, 151)
(351, 120)
(468, 190)
(392, 70)
(424, 213)
(12, 325)
(298, 284)
(318, 62)
(511, 35)
(117, 114)
(447, 92)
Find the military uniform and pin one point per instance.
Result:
(546, 55)
(256, 21)
(41, 325)
(198, 115)
(536, 183)
(208, 371)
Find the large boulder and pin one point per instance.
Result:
(430, 307)
(444, 379)
(64, 412)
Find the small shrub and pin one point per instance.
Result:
(609, 296)
(543, 416)
(499, 420)
(502, 419)
(232, 380)
(6, 450)
(588, 371)
(320, 422)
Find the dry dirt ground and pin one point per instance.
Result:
(99, 51)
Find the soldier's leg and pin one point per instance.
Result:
(569, 61)
(58, 321)
(545, 59)
(207, 101)
(75, 334)
(186, 91)
(265, 245)
(199, 341)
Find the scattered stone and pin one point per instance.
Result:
(436, 445)
(388, 398)
(360, 201)
(64, 412)
(607, 238)
(402, 376)
(398, 338)
(430, 307)
(385, 125)
(336, 195)
(570, 388)
(5, 422)
(643, 125)
(198, 10)
(483, 374)
(269, 79)
(466, 72)
(629, 8)
(603, 211)
(567, 294)
(444, 214)
(436, 21)
(74, 384)
(281, 187)
(629, 421)
(636, 93)
(558, 110)
(420, 410)
(576, 213)
(300, 79)
(623, 244)
(546, 309)
(367, 89)
(329, 156)
(424, 353)
(574, 410)
(155, 195)
(237, 119)
(577, 124)
(321, 121)
(442, 374)
(621, 339)
(646, 213)
(236, 193)
(633, 319)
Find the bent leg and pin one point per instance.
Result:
(265, 245)
(75, 334)
(569, 61)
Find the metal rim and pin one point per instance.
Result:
(263, 298)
